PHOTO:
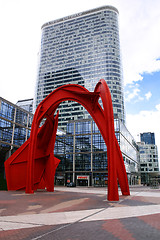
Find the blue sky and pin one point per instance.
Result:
(142, 105)
(139, 24)
(143, 94)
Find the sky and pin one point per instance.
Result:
(139, 26)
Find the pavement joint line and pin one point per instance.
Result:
(45, 234)
(123, 213)
(67, 225)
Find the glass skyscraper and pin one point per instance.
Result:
(81, 49)
(148, 138)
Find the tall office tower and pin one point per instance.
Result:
(148, 138)
(81, 49)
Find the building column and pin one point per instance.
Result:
(74, 147)
(13, 128)
(91, 152)
(27, 127)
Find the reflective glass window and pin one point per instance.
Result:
(83, 143)
(19, 135)
(83, 162)
(100, 161)
(6, 130)
(83, 127)
(7, 111)
(98, 143)
(21, 117)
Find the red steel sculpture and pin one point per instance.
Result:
(33, 165)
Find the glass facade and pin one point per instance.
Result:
(15, 126)
(148, 157)
(83, 154)
(149, 165)
(81, 49)
(148, 138)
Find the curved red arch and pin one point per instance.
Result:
(35, 157)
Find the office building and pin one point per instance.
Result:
(26, 104)
(147, 138)
(81, 49)
(149, 166)
(15, 127)
(83, 154)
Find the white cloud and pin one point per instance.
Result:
(145, 121)
(139, 34)
(158, 107)
(131, 95)
(148, 95)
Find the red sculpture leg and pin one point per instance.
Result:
(116, 167)
(52, 162)
(15, 168)
(121, 171)
(109, 139)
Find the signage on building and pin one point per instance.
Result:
(83, 177)
(60, 177)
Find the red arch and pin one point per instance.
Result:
(33, 165)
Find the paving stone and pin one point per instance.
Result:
(85, 215)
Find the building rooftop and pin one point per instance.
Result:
(77, 15)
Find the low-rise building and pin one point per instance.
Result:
(15, 127)
(83, 154)
(149, 166)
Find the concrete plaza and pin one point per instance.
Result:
(80, 214)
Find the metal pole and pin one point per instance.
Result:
(13, 128)
(91, 152)
(74, 146)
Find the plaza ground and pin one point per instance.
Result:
(80, 213)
